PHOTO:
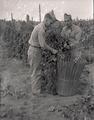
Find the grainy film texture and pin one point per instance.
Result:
(46, 59)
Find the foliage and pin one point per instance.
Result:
(17, 33)
(17, 40)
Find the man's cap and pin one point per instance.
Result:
(50, 15)
(67, 16)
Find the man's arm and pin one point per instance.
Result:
(32, 35)
(63, 32)
(43, 44)
(78, 34)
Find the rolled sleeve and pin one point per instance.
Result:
(34, 32)
(30, 39)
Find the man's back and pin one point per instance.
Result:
(34, 36)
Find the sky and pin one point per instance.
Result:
(83, 9)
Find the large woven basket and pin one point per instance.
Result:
(68, 74)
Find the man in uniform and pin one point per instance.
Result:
(69, 67)
(72, 33)
(37, 41)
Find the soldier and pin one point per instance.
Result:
(72, 33)
(69, 67)
(37, 41)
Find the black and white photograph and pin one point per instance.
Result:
(46, 59)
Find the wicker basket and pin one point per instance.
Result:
(68, 74)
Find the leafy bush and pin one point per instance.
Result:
(16, 39)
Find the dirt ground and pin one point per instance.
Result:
(17, 102)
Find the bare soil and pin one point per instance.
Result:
(17, 101)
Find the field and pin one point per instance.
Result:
(17, 102)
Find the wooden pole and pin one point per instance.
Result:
(11, 16)
(32, 19)
(39, 13)
(93, 9)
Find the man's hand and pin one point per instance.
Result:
(54, 51)
(66, 46)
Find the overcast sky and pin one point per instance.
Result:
(78, 8)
